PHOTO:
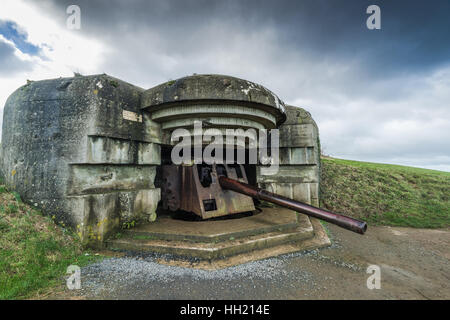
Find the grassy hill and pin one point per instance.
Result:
(34, 251)
(384, 194)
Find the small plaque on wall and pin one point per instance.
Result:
(132, 116)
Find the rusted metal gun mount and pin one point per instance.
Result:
(196, 189)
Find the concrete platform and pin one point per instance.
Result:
(272, 232)
(269, 220)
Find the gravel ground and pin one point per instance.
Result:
(414, 265)
(143, 278)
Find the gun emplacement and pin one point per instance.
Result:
(260, 194)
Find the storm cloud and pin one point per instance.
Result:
(377, 95)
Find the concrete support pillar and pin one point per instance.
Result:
(298, 175)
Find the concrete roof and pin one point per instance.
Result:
(214, 88)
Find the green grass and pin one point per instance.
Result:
(143, 237)
(34, 251)
(384, 194)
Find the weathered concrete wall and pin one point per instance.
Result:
(82, 150)
(298, 176)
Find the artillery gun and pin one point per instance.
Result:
(219, 189)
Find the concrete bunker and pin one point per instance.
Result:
(90, 150)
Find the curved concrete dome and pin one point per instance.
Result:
(221, 101)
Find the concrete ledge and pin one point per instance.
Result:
(211, 251)
(270, 220)
(99, 178)
(309, 234)
(319, 240)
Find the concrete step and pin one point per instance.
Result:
(269, 220)
(319, 240)
(214, 250)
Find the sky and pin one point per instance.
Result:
(380, 95)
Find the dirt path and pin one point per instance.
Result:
(415, 264)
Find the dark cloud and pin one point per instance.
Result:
(413, 35)
(376, 94)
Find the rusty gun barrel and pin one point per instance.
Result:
(257, 193)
